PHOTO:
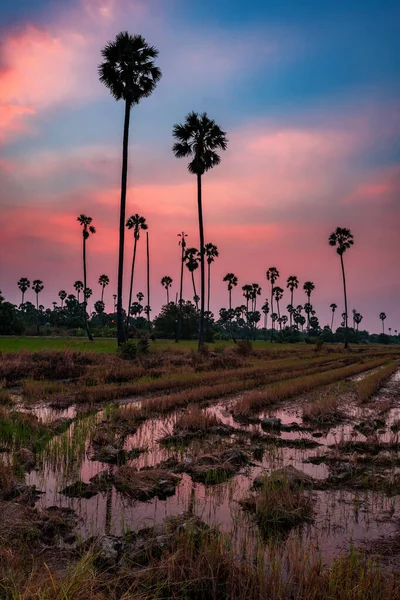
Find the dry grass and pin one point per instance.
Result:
(145, 484)
(324, 410)
(368, 386)
(195, 419)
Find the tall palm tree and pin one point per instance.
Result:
(78, 285)
(87, 229)
(232, 281)
(37, 286)
(138, 224)
(140, 296)
(247, 293)
(211, 252)
(166, 282)
(272, 275)
(62, 294)
(265, 310)
(148, 307)
(292, 283)
(308, 287)
(182, 244)
(115, 302)
(200, 138)
(278, 295)
(333, 307)
(23, 284)
(192, 258)
(382, 317)
(358, 318)
(342, 239)
(255, 291)
(103, 281)
(129, 72)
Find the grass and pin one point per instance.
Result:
(325, 407)
(143, 485)
(195, 419)
(368, 386)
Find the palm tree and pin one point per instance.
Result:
(140, 296)
(87, 229)
(308, 287)
(148, 281)
(390, 330)
(192, 258)
(292, 283)
(333, 307)
(99, 307)
(358, 318)
(382, 317)
(265, 310)
(278, 295)
(138, 224)
(115, 302)
(211, 252)
(182, 244)
(23, 284)
(62, 294)
(247, 293)
(103, 281)
(37, 286)
(232, 281)
(78, 285)
(199, 138)
(166, 282)
(272, 275)
(255, 291)
(342, 239)
(130, 74)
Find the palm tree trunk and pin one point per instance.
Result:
(179, 332)
(333, 315)
(90, 337)
(208, 286)
(124, 177)
(102, 292)
(230, 299)
(383, 326)
(194, 290)
(23, 294)
(131, 285)
(291, 302)
(202, 273)
(272, 310)
(148, 281)
(167, 296)
(346, 343)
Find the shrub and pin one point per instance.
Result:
(244, 347)
(128, 350)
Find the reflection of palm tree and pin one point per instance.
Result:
(342, 239)
(232, 281)
(382, 317)
(333, 307)
(130, 74)
(199, 138)
(192, 258)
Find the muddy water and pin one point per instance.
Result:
(341, 518)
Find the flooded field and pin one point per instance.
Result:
(293, 459)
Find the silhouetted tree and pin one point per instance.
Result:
(182, 244)
(138, 224)
(199, 138)
(265, 310)
(62, 294)
(99, 307)
(87, 229)
(247, 291)
(278, 295)
(37, 287)
(382, 317)
(130, 74)
(23, 284)
(166, 282)
(342, 239)
(308, 287)
(140, 296)
(232, 281)
(148, 307)
(255, 291)
(292, 283)
(78, 285)
(272, 275)
(192, 259)
(358, 318)
(103, 281)
(333, 307)
(211, 252)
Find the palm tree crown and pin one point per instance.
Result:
(199, 138)
(272, 275)
(231, 279)
(292, 282)
(104, 280)
(137, 223)
(128, 70)
(211, 252)
(308, 287)
(86, 224)
(342, 238)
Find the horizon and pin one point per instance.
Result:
(308, 98)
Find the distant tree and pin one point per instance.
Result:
(99, 307)
(129, 72)
(333, 307)
(140, 296)
(62, 294)
(308, 287)
(166, 282)
(211, 252)
(87, 229)
(292, 283)
(232, 282)
(192, 259)
(272, 275)
(103, 281)
(247, 292)
(166, 323)
(148, 281)
(78, 285)
(115, 302)
(137, 224)
(265, 310)
(382, 317)
(342, 239)
(23, 284)
(278, 295)
(37, 287)
(88, 293)
(182, 244)
(358, 318)
(200, 138)
(255, 291)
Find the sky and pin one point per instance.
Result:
(308, 93)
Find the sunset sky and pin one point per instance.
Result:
(309, 94)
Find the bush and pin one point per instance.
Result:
(128, 350)
(244, 347)
(143, 346)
